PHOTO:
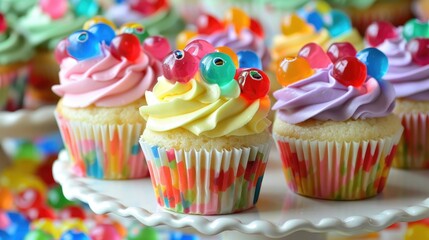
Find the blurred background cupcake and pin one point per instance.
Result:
(14, 9)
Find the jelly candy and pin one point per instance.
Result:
(38, 235)
(71, 212)
(180, 66)
(85, 8)
(256, 27)
(293, 69)
(44, 171)
(217, 68)
(40, 212)
(3, 23)
(349, 71)
(74, 235)
(135, 28)
(375, 60)
(119, 228)
(157, 46)
(315, 19)
(74, 224)
(4, 235)
(54, 8)
(6, 199)
(293, 24)
(228, 51)
(83, 45)
(148, 7)
(340, 49)
(419, 49)
(48, 226)
(29, 181)
(184, 38)
(414, 28)
(207, 24)
(126, 46)
(61, 51)
(315, 55)
(98, 19)
(27, 151)
(28, 198)
(103, 32)
(338, 23)
(18, 227)
(417, 231)
(56, 198)
(237, 18)
(4, 220)
(249, 59)
(379, 31)
(254, 83)
(104, 232)
(137, 232)
(199, 48)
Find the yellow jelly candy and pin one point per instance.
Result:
(237, 18)
(48, 226)
(292, 70)
(228, 51)
(184, 38)
(417, 231)
(17, 180)
(293, 24)
(75, 224)
(6, 199)
(98, 19)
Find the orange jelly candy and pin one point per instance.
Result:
(184, 38)
(238, 18)
(6, 199)
(292, 24)
(228, 51)
(292, 70)
(98, 19)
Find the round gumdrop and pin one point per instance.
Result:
(184, 38)
(349, 71)
(199, 48)
(148, 7)
(293, 24)
(61, 51)
(98, 19)
(237, 18)
(71, 212)
(54, 8)
(228, 51)
(419, 49)
(135, 28)
(340, 49)
(292, 70)
(254, 83)
(315, 55)
(38, 235)
(3, 23)
(415, 28)
(127, 46)
(74, 235)
(379, 31)
(85, 8)
(208, 24)
(217, 68)
(180, 66)
(375, 60)
(256, 27)
(103, 32)
(83, 45)
(28, 198)
(56, 198)
(157, 46)
(249, 59)
(104, 232)
(337, 23)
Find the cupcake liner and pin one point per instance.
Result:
(12, 88)
(413, 148)
(337, 170)
(206, 182)
(104, 151)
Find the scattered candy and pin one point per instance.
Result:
(72, 212)
(417, 231)
(44, 171)
(83, 45)
(292, 70)
(415, 28)
(157, 46)
(18, 227)
(180, 66)
(249, 59)
(377, 32)
(47, 226)
(148, 7)
(256, 27)
(38, 235)
(338, 23)
(74, 224)
(199, 48)
(207, 24)
(85, 8)
(136, 232)
(341, 49)
(4, 220)
(61, 51)
(3, 23)
(349, 71)
(74, 235)
(6, 199)
(98, 19)
(315, 19)
(4, 235)
(315, 55)
(103, 32)
(54, 8)
(237, 18)
(126, 46)
(375, 60)
(104, 232)
(419, 49)
(254, 83)
(217, 68)
(56, 198)
(28, 198)
(228, 51)
(136, 29)
(40, 212)
(184, 37)
(292, 24)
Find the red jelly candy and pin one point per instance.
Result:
(315, 56)
(180, 66)
(349, 71)
(54, 8)
(341, 49)
(157, 46)
(61, 51)
(207, 24)
(199, 48)
(148, 7)
(3, 23)
(377, 32)
(72, 212)
(254, 83)
(44, 171)
(419, 49)
(39, 212)
(28, 198)
(256, 27)
(126, 45)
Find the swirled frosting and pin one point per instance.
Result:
(42, 31)
(322, 97)
(246, 40)
(14, 48)
(410, 80)
(106, 81)
(201, 109)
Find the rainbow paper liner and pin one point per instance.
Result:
(413, 148)
(104, 151)
(206, 182)
(337, 170)
(12, 87)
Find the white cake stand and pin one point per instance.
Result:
(279, 212)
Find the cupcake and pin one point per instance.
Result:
(405, 48)
(14, 9)
(206, 141)
(15, 57)
(103, 79)
(334, 128)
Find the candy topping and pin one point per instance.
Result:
(207, 24)
(126, 45)
(98, 19)
(315, 55)
(237, 18)
(339, 50)
(61, 51)
(249, 59)
(228, 51)
(199, 48)
(349, 71)
(3, 23)
(157, 46)
(414, 28)
(83, 45)
(292, 70)
(180, 66)
(337, 23)
(292, 24)
(256, 27)
(254, 83)
(85, 8)
(419, 49)
(377, 32)
(184, 37)
(148, 7)
(103, 32)
(375, 60)
(136, 29)
(217, 68)
(54, 8)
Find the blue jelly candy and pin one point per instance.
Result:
(83, 45)
(248, 59)
(74, 235)
(85, 8)
(19, 226)
(315, 19)
(375, 60)
(337, 23)
(217, 68)
(4, 235)
(103, 32)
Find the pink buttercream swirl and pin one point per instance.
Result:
(322, 97)
(106, 81)
(409, 79)
(246, 40)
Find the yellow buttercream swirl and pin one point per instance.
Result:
(200, 108)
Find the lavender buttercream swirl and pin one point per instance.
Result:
(322, 97)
